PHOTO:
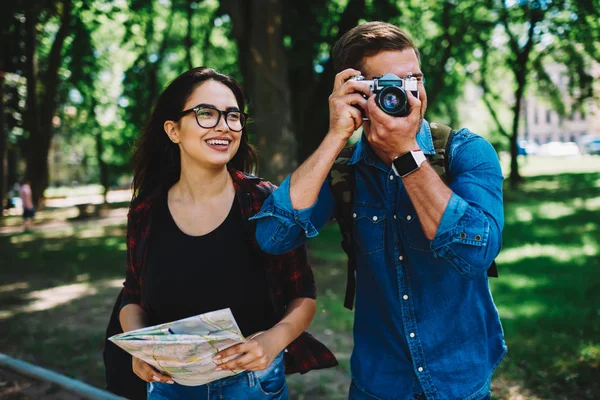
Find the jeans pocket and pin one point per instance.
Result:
(160, 391)
(271, 381)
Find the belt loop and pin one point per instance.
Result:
(251, 379)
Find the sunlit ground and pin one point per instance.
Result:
(58, 284)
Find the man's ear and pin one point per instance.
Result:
(170, 128)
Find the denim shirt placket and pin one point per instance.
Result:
(394, 191)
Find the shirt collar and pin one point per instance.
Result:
(365, 152)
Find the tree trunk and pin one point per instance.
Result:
(99, 150)
(41, 129)
(32, 112)
(3, 149)
(515, 177)
(102, 165)
(310, 96)
(436, 82)
(257, 30)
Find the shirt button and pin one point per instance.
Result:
(395, 216)
(478, 237)
(401, 258)
(374, 217)
(463, 235)
(354, 215)
(306, 232)
(391, 177)
(412, 335)
(405, 297)
(408, 217)
(420, 369)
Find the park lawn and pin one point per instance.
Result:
(57, 288)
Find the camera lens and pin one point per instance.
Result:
(392, 100)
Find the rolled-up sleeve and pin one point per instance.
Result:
(470, 233)
(280, 228)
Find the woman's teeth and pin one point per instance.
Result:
(218, 142)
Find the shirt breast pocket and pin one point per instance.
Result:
(414, 236)
(368, 228)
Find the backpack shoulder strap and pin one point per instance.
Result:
(342, 183)
(442, 136)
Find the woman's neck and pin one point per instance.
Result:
(197, 185)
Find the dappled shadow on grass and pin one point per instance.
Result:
(67, 338)
(57, 289)
(55, 258)
(550, 311)
(561, 188)
(548, 293)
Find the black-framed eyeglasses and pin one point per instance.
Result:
(208, 117)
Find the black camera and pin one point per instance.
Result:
(391, 91)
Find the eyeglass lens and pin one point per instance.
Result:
(209, 118)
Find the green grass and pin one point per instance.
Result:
(57, 288)
(549, 291)
(538, 166)
(56, 293)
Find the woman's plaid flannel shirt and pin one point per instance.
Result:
(289, 274)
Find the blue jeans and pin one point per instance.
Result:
(250, 385)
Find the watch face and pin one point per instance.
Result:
(405, 164)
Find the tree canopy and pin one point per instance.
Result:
(79, 78)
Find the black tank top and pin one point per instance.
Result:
(189, 275)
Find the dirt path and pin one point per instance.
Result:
(109, 217)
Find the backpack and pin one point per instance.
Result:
(342, 183)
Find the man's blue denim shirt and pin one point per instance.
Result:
(424, 320)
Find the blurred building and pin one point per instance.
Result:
(541, 123)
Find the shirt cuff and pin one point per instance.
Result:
(279, 206)
(461, 224)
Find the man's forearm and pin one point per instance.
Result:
(430, 197)
(306, 181)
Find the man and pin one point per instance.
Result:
(425, 323)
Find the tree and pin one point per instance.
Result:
(3, 148)
(84, 69)
(10, 38)
(257, 28)
(42, 89)
(312, 28)
(537, 32)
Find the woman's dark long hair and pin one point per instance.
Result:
(156, 159)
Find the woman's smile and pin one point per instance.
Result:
(219, 143)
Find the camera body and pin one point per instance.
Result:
(390, 91)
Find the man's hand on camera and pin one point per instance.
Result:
(345, 104)
(390, 136)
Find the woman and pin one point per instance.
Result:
(27, 201)
(191, 246)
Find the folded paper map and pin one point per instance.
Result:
(184, 349)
